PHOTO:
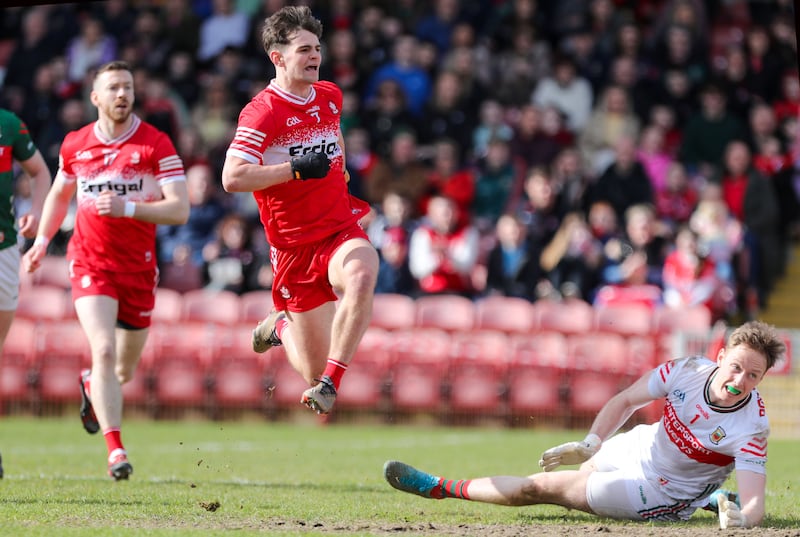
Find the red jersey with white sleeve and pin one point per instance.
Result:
(277, 126)
(135, 165)
(697, 443)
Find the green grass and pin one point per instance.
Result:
(281, 479)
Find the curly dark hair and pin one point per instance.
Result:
(281, 26)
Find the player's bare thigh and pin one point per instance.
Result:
(354, 256)
(98, 317)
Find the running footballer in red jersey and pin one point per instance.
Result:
(289, 151)
(127, 177)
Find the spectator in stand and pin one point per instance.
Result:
(570, 93)
(229, 261)
(92, 48)
(623, 73)
(690, 278)
(654, 157)
(788, 104)
(570, 180)
(539, 210)
(634, 264)
(512, 268)
(442, 253)
(206, 211)
(162, 108)
(37, 46)
(573, 258)
(676, 201)
(752, 200)
(181, 26)
(360, 159)
(390, 232)
(708, 133)
(764, 67)
(681, 49)
(720, 238)
(226, 26)
(400, 172)
(450, 177)
(674, 90)
(603, 223)
(41, 100)
(498, 185)
(386, 115)
(762, 132)
(341, 65)
(437, 26)
(624, 183)
(445, 115)
(403, 69)
(394, 273)
(612, 119)
(733, 80)
(214, 116)
(529, 143)
(663, 117)
(515, 71)
(492, 125)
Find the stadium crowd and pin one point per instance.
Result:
(609, 150)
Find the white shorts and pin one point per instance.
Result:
(9, 278)
(619, 488)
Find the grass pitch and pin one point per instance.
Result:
(265, 478)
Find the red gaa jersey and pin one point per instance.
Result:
(135, 166)
(277, 126)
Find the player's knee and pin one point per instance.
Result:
(531, 492)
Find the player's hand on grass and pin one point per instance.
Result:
(312, 165)
(570, 453)
(730, 516)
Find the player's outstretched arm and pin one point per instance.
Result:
(56, 205)
(36, 168)
(751, 496)
(611, 417)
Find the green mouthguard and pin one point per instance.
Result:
(733, 390)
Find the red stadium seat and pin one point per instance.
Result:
(625, 319)
(694, 319)
(238, 382)
(168, 307)
(478, 365)
(542, 349)
(508, 314)
(393, 311)
(53, 271)
(18, 355)
(219, 307)
(535, 393)
(571, 316)
(44, 302)
(600, 352)
(255, 306)
(446, 312)
(588, 392)
(419, 363)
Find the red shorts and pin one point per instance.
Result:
(134, 291)
(301, 274)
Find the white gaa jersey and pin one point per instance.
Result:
(697, 444)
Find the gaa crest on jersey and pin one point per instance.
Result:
(334, 109)
(136, 158)
(717, 436)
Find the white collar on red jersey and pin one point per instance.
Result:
(122, 137)
(291, 97)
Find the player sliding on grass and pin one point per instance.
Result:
(288, 150)
(714, 421)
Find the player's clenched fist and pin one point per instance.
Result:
(312, 165)
(730, 516)
(570, 453)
